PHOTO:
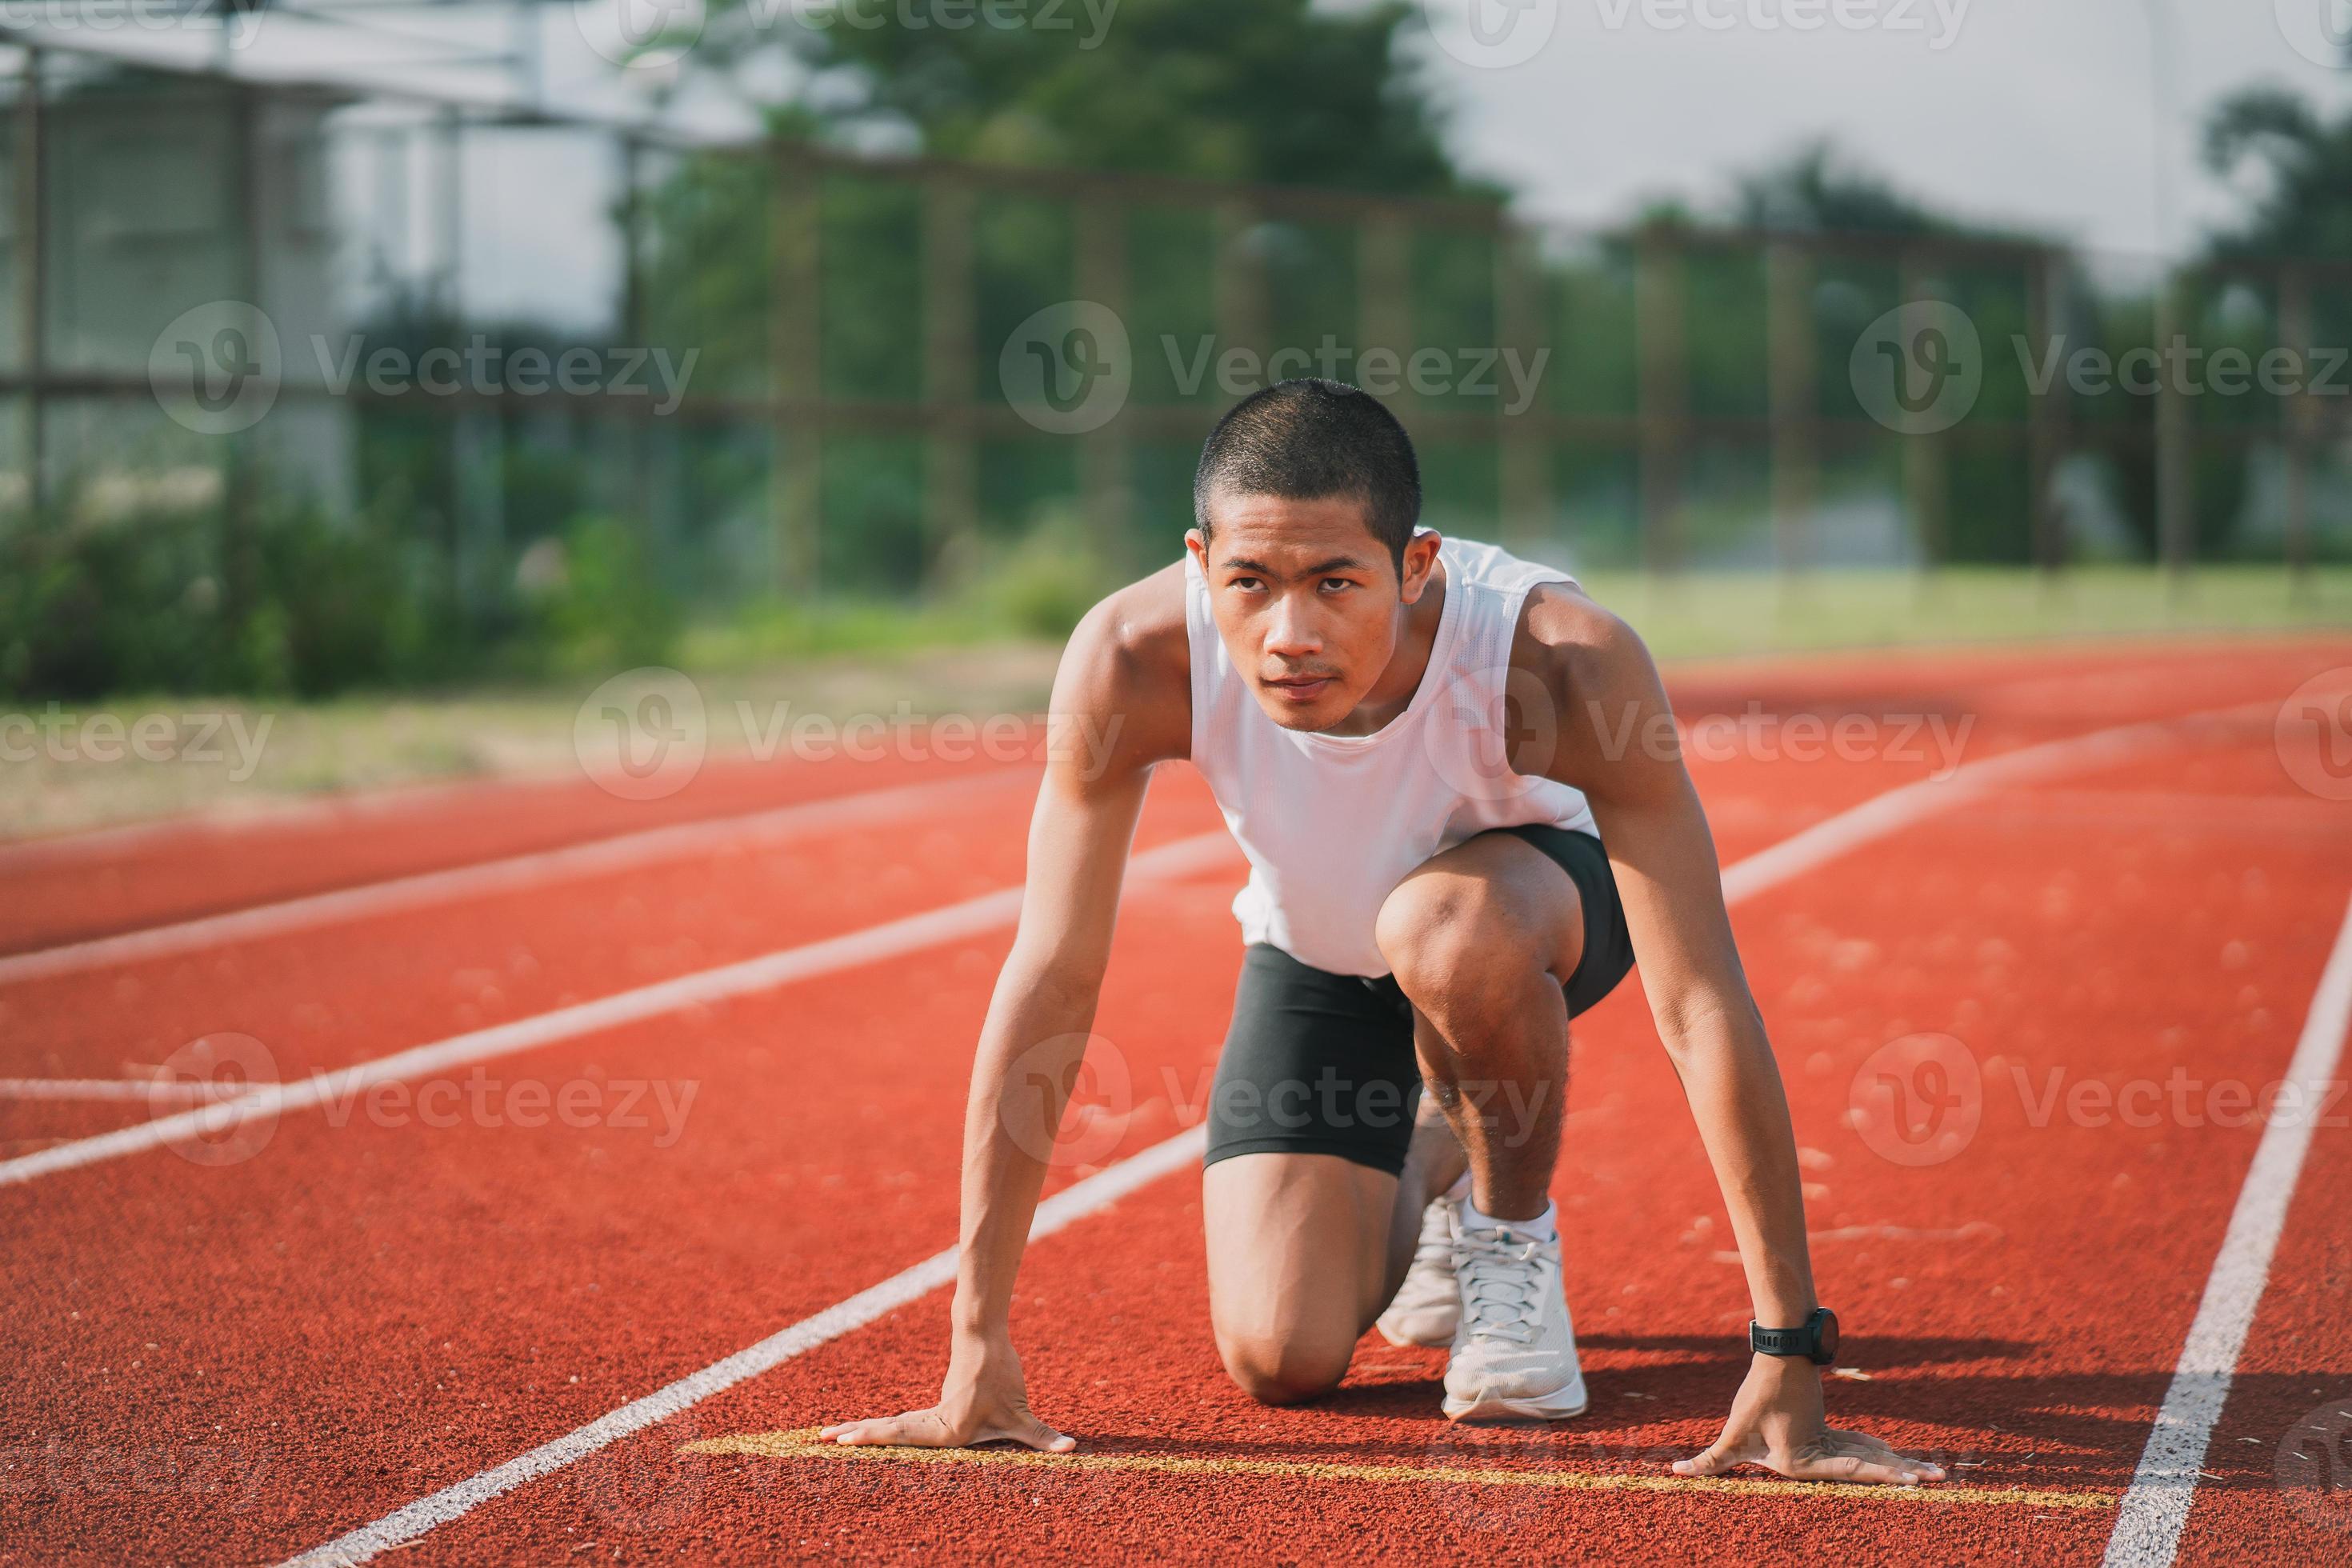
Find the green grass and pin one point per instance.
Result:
(1723, 616)
(986, 655)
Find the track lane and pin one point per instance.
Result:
(1182, 997)
(2028, 1228)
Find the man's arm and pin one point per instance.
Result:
(1617, 744)
(1119, 706)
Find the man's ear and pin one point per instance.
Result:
(1420, 561)
(1198, 543)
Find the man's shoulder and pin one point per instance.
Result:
(1131, 655)
(1139, 632)
(1565, 631)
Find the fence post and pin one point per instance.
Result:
(2176, 520)
(1660, 393)
(31, 281)
(1523, 327)
(950, 368)
(1106, 463)
(2296, 411)
(797, 469)
(1241, 302)
(1795, 393)
(1926, 482)
(2046, 419)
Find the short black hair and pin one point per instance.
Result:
(1309, 438)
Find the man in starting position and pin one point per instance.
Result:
(1423, 747)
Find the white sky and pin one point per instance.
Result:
(2032, 113)
(2036, 112)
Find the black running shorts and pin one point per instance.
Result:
(1318, 1063)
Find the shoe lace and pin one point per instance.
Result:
(1501, 1280)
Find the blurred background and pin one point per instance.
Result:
(404, 371)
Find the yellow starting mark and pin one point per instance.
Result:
(805, 1444)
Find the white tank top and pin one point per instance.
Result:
(1331, 822)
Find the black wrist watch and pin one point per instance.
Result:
(1817, 1341)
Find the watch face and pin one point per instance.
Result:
(1829, 1338)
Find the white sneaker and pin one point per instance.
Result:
(1515, 1350)
(1427, 1305)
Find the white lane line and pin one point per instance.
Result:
(148, 1091)
(1072, 1204)
(970, 918)
(599, 857)
(1824, 841)
(2156, 1508)
(1882, 815)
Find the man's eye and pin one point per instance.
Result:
(1333, 585)
(1245, 583)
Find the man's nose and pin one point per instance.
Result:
(1292, 633)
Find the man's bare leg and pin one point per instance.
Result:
(1298, 1262)
(1481, 938)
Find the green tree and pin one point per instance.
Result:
(1278, 91)
(2306, 208)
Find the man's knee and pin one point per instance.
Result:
(1446, 931)
(1285, 1369)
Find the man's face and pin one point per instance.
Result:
(1309, 602)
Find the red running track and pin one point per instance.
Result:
(240, 1361)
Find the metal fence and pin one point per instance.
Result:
(801, 373)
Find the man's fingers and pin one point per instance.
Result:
(1036, 1434)
(1865, 1462)
(921, 1428)
(1714, 1460)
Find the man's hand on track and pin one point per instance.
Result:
(1777, 1421)
(984, 1400)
